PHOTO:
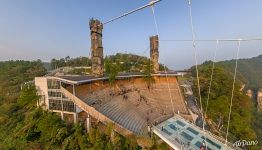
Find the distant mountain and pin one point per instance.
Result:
(249, 70)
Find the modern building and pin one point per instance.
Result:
(129, 104)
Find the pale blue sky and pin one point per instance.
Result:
(46, 29)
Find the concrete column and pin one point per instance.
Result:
(74, 93)
(96, 28)
(62, 105)
(62, 115)
(75, 117)
(75, 114)
(154, 54)
(88, 123)
(149, 130)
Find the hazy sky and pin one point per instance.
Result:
(46, 29)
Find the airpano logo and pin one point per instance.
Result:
(242, 143)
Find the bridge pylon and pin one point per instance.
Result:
(96, 28)
(154, 53)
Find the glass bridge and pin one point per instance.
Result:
(181, 134)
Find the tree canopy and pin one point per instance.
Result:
(242, 117)
(249, 71)
(126, 62)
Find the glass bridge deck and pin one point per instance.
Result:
(180, 134)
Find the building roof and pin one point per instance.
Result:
(78, 79)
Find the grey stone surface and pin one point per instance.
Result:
(154, 53)
(96, 28)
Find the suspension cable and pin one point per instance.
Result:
(212, 40)
(169, 90)
(209, 90)
(197, 72)
(211, 77)
(156, 26)
(195, 56)
(165, 68)
(151, 3)
(233, 88)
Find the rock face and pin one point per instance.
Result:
(96, 28)
(259, 100)
(154, 54)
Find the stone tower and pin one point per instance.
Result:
(96, 28)
(154, 54)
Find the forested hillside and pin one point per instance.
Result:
(23, 126)
(72, 62)
(15, 73)
(249, 70)
(130, 62)
(245, 121)
(125, 62)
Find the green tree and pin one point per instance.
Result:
(147, 75)
(112, 71)
(28, 96)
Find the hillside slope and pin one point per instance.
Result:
(245, 120)
(250, 70)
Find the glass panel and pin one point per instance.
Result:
(173, 127)
(186, 136)
(68, 106)
(192, 130)
(180, 123)
(211, 142)
(55, 104)
(199, 144)
(53, 84)
(166, 131)
(54, 94)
